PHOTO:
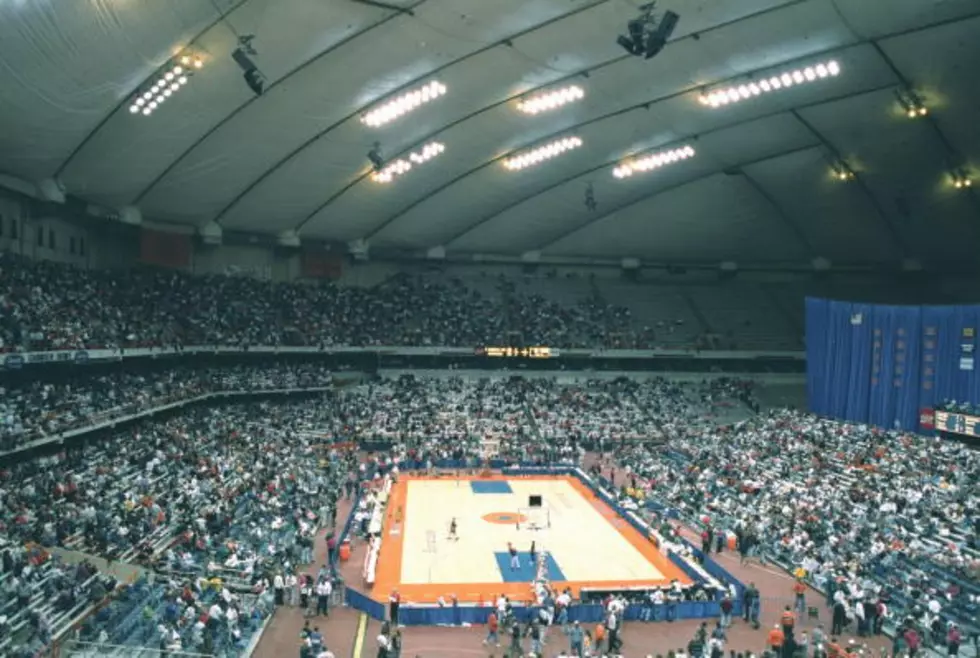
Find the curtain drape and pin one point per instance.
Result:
(882, 364)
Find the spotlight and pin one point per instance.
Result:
(961, 179)
(841, 171)
(911, 103)
(647, 36)
(253, 77)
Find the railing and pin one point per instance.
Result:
(161, 404)
(79, 649)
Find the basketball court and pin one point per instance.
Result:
(584, 541)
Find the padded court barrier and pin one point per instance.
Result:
(367, 605)
(449, 615)
(454, 615)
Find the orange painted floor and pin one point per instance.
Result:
(388, 574)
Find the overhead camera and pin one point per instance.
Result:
(647, 35)
(243, 57)
(590, 202)
(374, 155)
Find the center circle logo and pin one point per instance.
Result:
(504, 518)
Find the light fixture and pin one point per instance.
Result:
(653, 161)
(392, 170)
(841, 171)
(551, 100)
(961, 179)
(775, 82)
(542, 153)
(172, 78)
(403, 104)
(911, 103)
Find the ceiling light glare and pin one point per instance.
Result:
(653, 161)
(147, 111)
(178, 70)
(542, 153)
(551, 100)
(428, 152)
(734, 94)
(403, 104)
(394, 169)
(134, 108)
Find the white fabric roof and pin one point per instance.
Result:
(294, 158)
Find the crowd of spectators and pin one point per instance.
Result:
(39, 594)
(886, 524)
(52, 306)
(213, 499)
(35, 409)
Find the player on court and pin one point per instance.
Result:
(452, 530)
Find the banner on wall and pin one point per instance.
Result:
(321, 264)
(927, 419)
(165, 249)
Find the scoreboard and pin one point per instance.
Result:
(954, 423)
(519, 352)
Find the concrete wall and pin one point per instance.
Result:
(49, 232)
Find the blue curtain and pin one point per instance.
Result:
(857, 393)
(883, 364)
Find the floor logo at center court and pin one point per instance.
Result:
(504, 518)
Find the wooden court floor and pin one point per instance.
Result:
(587, 544)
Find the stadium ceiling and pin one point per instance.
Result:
(760, 187)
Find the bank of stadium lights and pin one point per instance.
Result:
(551, 100)
(961, 180)
(542, 153)
(911, 103)
(784, 80)
(175, 77)
(403, 104)
(653, 161)
(842, 172)
(400, 166)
